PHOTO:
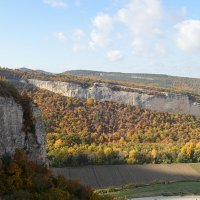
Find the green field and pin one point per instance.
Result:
(171, 189)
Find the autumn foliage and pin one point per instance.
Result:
(23, 179)
(81, 132)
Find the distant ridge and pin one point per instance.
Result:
(24, 69)
(88, 77)
(92, 72)
(160, 80)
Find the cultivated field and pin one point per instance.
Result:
(118, 175)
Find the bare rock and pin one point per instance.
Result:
(12, 135)
(162, 102)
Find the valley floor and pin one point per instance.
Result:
(103, 176)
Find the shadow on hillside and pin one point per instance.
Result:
(117, 175)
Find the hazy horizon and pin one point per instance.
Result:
(40, 69)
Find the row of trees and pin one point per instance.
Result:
(124, 153)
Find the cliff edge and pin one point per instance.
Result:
(21, 127)
(153, 100)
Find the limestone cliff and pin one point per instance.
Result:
(164, 102)
(13, 134)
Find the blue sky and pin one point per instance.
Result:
(147, 36)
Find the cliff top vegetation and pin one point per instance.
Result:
(116, 81)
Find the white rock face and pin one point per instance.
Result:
(164, 102)
(12, 136)
(37, 141)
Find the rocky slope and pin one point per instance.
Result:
(13, 132)
(163, 101)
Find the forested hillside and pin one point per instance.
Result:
(89, 132)
(23, 179)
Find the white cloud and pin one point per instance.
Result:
(60, 36)
(99, 39)
(188, 36)
(79, 34)
(56, 3)
(102, 22)
(114, 56)
(142, 16)
(142, 47)
(79, 47)
(143, 19)
(102, 28)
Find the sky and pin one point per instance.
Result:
(132, 36)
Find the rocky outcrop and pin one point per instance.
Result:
(163, 102)
(12, 134)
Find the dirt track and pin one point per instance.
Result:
(118, 175)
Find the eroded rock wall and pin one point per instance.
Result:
(12, 135)
(163, 102)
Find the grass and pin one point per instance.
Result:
(169, 189)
